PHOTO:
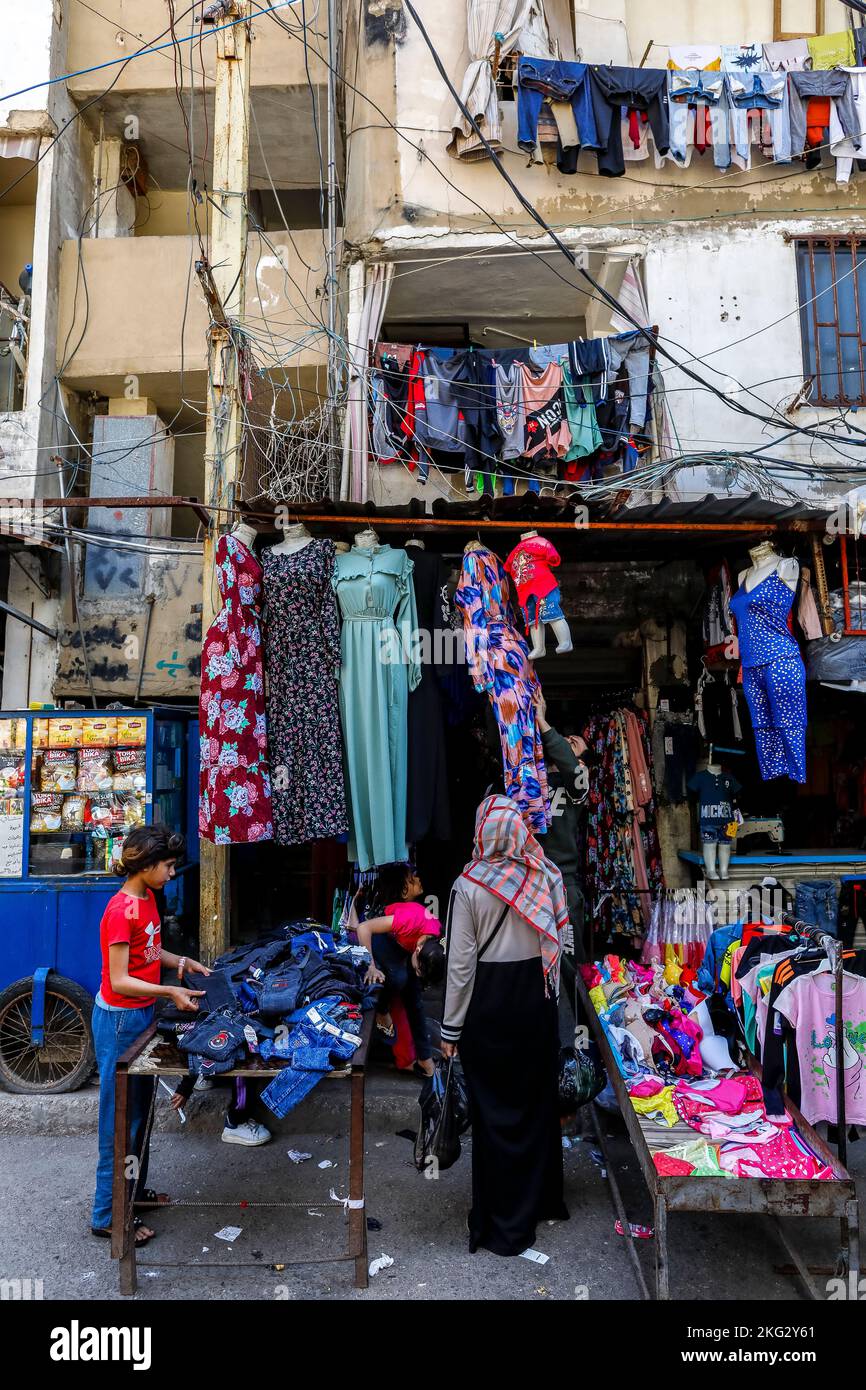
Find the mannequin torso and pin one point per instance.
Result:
(367, 539)
(766, 560)
(245, 534)
(295, 538)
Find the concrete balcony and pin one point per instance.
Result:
(288, 81)
(133, 307)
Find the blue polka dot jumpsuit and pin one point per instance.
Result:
(774, 677)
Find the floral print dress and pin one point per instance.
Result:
(302, 657)
(234, 782)
(499, 664)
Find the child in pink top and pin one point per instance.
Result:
(407, 955)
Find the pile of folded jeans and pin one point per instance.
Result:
(293, 994)
(324, 1034)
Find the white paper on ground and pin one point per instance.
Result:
(228, 1233)
(535, 1256)
(383, 1262)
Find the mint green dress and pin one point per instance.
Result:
(378, 668)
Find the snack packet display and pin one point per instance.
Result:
(99, 732)
(131, 731)
(59, 771)
(95, 770)
(46, 811)
(64, 733)
(72, 815)
(130, 770)
(11, 772)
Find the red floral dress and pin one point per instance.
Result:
(235, 783)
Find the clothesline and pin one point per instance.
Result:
(783, 96)
(584, 405)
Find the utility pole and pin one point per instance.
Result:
(223, 282)
(333, 369)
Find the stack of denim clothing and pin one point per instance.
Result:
(329, 1029)
(295, 976)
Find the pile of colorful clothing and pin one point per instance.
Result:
(696, 1121)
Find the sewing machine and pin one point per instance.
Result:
(761, 825)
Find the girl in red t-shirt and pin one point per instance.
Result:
(132, 957)
(407, 956)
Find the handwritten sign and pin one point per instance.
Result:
(11, 846)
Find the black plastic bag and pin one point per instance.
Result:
(437, 1144)
(462, 1116)
(581, 1078)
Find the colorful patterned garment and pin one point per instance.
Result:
(498, 660)
(611, 886)
(302, 656)
(509, 862)
(234, 782)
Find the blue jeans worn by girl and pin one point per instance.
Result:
(114, 1030)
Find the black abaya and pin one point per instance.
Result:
(509, 1049)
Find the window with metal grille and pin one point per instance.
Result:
(831, 274)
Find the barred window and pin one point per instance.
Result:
(831, 275)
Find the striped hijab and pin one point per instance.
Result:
(508, 861)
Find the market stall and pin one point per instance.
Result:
(711, 1134)
(152, 1058)
(72, 785)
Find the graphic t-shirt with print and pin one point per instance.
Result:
(716, 792)
(809, 1003)
(132, 921)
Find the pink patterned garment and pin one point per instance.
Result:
(234, 783)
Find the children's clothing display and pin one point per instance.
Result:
(234, 779)
(716, 794)
(656, 1041)
(530, 565)
(498, 660)
(377, 671)
(302, 659)
(809, 1004)
(774, 677)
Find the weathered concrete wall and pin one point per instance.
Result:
(114, 631)
(30, 657)
(28, 38)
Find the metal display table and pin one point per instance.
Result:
(152, 1055)
(773, 1197)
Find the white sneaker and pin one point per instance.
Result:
(203, 1083)
(249, 1133)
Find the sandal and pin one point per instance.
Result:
(386, 1035)
(104, 1232)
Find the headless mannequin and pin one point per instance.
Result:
(717, 858)
(415, 541)
(245, 534)
(561, 630)
(342, 547)
(295, 538)
(367, 539)
(766, 560)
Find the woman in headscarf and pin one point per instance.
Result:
(507, 915)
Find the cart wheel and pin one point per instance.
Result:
(66, 1059)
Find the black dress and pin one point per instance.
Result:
(509, 1048)
(427, 811)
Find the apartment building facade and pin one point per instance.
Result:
(108, 159)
